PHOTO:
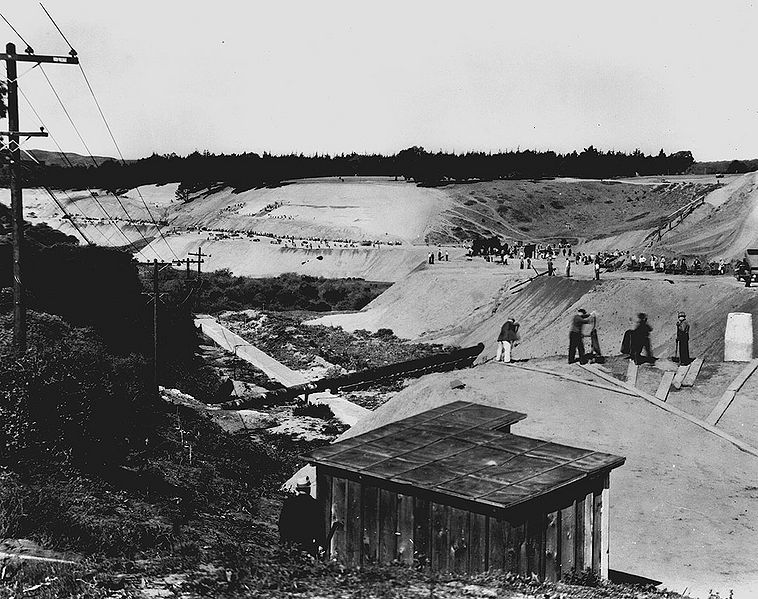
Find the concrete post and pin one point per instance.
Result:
(738, 338)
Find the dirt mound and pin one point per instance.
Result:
(560, 208)
(431, 299)
(724, 227)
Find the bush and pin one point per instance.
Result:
(11, 503)
(68, 394)
(314, 410)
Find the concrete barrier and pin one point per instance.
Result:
(738, 338)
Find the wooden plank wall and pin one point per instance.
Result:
(383, 526)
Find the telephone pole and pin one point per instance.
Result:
(156, 298)
(17, 207)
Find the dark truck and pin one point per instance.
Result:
(747, 269)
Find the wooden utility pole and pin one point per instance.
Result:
(156, 298)
(17, 208)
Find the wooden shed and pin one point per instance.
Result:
(453, 489)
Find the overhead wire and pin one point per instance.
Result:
(92, 158)
(28, 45)
(108, 127)
(92, 194)
(29, 50)
(52, 195)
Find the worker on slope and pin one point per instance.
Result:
(506, 339)
(683, 339)
(300, 520)
(640, 339)
(575, 336)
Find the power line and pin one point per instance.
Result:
(73, 52)
(70, 164)
(29, 50)
(107, 126)
(28, 46)
(86, 147)
(52, 195)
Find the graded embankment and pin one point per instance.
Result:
(724, 227)
(432, 299)
(546, 305)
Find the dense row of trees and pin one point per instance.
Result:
(249, 170)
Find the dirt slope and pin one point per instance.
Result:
(546, 306)
(723, 227)
(431, 299)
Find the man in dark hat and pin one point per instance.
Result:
(300, 523)
(505, 340)
(575, 336)
(683, 338)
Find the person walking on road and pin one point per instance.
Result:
(575, 336)
(683, 339)
(568, 267)
(506, 339)
(597, 269)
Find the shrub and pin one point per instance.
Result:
(317, 410)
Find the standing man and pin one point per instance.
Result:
(683, 339)
(575, 336)
(597, 268)
(641, 340)
(508, 336)
(300, 520)
(568, 267)
(550, 267)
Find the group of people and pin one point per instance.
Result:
(440, 256)
(584, 326)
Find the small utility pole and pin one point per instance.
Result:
(156, 298)
(17, 207)
(199, 261)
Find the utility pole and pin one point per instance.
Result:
(197, 282)
(17, 207)
(156, 298)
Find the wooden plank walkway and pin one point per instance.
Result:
(346, 411)
(730, 393)
(676, 411)
(692, 372)
(681, 372)
(665, 385)
(232, 342)
(631, 373)
(569, 377)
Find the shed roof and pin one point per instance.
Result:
(457, 450)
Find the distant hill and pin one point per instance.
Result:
(723, 166)
(57, 159)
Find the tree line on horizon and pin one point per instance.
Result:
(204, 170)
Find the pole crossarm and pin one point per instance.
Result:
(24, 133)
(39, 58)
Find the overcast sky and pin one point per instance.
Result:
(328, 76)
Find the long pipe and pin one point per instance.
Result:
(452, 360)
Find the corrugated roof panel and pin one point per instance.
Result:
(520, 467)
(443, 448)
(390, 468)
(470, 486)
(473, 459)
(357, 457)
(428, 475)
